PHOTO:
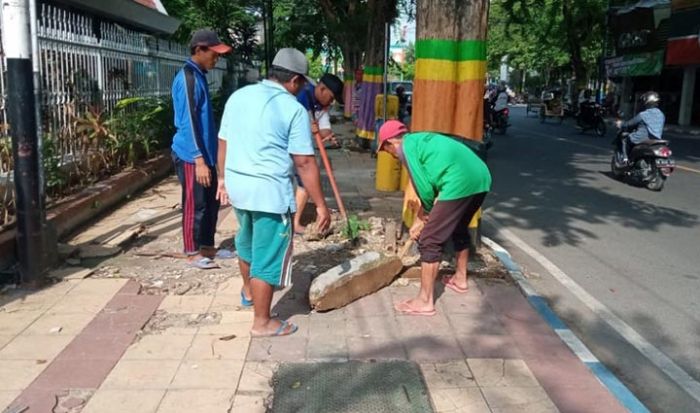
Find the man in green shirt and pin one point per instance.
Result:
(451, 182)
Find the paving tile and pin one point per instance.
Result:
(88, 346)
(30, 302)
(228, 317)
(186, 304)
(17, 374)
(74, 373)
(208, 374)
(69, 324)
(511, 399)
(240, 329)
(562, 373)
(4, 339)
(468, 400)
(419, 326)
(372, 327)
(231, 286)
(432, 348)
(141, 374)
(158, 347)
(375, 348)
(327, 348)
(543, 346)
(250, 404)
(120, 401)
(197, 401)
(377, 304)
(98, 286)
(488, 346)
(585, 399)
(211, 347)
(6, 397)
(257, 376)
(80, 304)
(15, 322)
(226, 302)
(471, 324)
(32, 347)
(449, 375)
(320, 326)
(502, 372)
(287, 348)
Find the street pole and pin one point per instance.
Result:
(386, 69)
(21, 115)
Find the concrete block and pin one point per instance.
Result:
(353, 279)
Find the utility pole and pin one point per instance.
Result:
(21, 115)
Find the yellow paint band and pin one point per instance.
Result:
(445, 70)
(373, 78)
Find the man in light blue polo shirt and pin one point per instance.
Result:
(264, 135)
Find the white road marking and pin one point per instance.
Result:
(658, 358)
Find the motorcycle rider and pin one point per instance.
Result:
(586, 106)
(648, 124)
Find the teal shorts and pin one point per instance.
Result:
(264, 241)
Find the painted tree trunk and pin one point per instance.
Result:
(450, 75)
(351, 62)
(448, 88)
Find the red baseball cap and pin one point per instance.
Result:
(390, 129)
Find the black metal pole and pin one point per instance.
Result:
(21, 115)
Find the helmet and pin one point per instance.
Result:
(650, 99)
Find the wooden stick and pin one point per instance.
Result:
(329, 171)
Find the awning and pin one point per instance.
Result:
(129, 12)
(638, 64)
(684, 39)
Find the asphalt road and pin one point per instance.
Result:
(636, 251)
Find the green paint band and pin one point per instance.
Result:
(453, 50)
(373, 70)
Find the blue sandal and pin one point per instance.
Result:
(244, 301)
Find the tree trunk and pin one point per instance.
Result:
(380, 12)
(351, 62)
(448, 89)
(450, 67)
(578, 66)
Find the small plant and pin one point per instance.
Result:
(351, 229)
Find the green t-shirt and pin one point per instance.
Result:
(442, 167)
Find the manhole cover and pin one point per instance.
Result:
(356, 387)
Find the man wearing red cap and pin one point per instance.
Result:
(194, 149)
(451, 182)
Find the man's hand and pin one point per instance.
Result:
(221, 193)
(323, 219)
(416, 229)
(618, 123)
(202, 172)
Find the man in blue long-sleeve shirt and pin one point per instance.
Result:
(648, 124)
(194, 148)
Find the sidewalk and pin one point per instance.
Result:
(143, 333)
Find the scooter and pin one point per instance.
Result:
(593, 120)
(649, 163)
(500, 121)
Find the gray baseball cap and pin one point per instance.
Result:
(293, 60)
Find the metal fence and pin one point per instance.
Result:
(89, 62)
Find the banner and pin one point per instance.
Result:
(639, 64)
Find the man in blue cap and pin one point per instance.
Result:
(194, 148)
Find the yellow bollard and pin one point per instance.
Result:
(404, 178)
(388, 176)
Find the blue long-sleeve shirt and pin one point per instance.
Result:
(648, 124)
(194, 119)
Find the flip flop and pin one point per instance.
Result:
(224, 254)
(281, 330)
(403, 308)
(449, 283)
(244, 301)
(203, 263)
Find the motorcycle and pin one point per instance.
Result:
(649, 163)
(595, 120)
(500, 121)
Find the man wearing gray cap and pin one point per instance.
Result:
(264, 135)
(194, 149)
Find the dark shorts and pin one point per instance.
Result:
(448, 220)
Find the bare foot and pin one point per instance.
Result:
(273, 327)
(458, 281)
(415, 306)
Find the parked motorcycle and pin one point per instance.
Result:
(649, 163)
(500, 121)
(594, 119)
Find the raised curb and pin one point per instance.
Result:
(80, 208)
(539, 303)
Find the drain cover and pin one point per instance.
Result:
(395, 386)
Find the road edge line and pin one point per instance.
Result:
(539, 303)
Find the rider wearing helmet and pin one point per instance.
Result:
(648, 124)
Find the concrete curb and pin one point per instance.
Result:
(80, 208)
(539, 303)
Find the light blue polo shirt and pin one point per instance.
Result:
(263, 125)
